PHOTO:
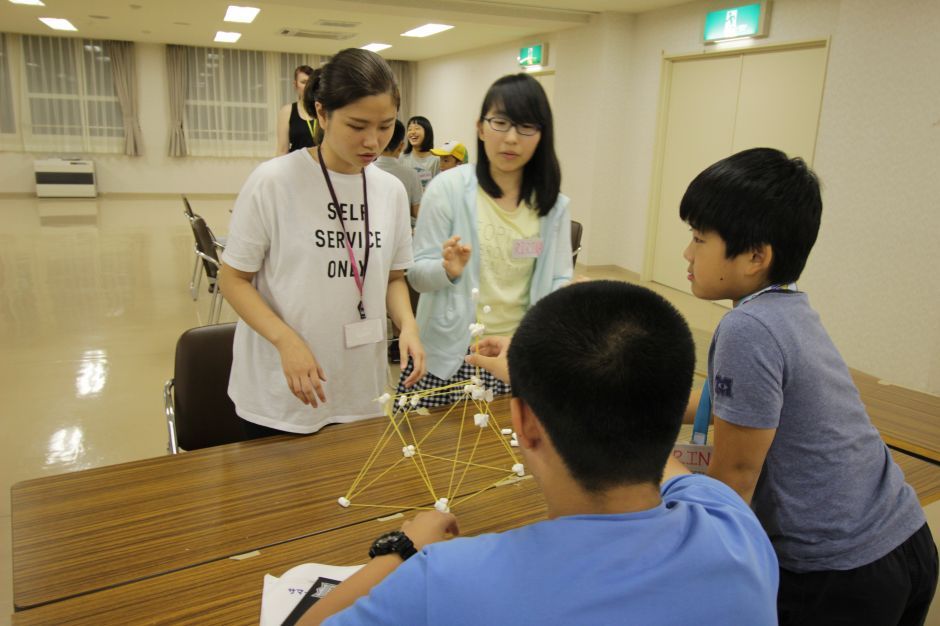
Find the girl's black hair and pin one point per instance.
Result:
(424, 123)
(522, 99)
(351, 74)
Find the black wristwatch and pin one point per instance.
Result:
(395, 542)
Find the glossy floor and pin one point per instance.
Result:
(93, 295)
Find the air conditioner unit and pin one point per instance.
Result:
(65, 178)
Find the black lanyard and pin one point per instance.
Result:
(360, 281)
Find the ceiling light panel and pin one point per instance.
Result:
(224, 37)
(32, 3)
(57, 23)
(376, 47)
(244, 15)
(427, 30)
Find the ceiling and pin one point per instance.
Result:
(477, 23)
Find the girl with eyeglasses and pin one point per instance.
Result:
(491, 240)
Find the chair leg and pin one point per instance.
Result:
(197, 279)
(215, 307)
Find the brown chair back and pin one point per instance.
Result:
(204, 414)
(205, 241)
(576, 231)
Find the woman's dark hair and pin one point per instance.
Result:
(522, 99)
(424, 123)
(351, 74)
(302, 69)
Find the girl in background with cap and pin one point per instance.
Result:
(451, 154)
(315, 259)
(417, 154)
(491, 240)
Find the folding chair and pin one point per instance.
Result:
(199, 413)
(576, 231)
(207, 248)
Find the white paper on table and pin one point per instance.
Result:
(281, 595)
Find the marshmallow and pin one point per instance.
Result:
(478, 393)
(488, 395)
(475, 381)
(487, 308)
(408, 451)
(343, 502)
(476, 330)
(415, 400)
(402, 400)
(468, 389)
(506, 431)
(481, 419)
(385, 397)
(475, 294)
(441, 505)
(519, 469)
(514, 443)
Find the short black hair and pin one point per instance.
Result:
(756, 197)
(424, 123)
(607, 369)
(397, 135)
(522, 99)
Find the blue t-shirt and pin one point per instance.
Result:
(699, 557)
(829, 495)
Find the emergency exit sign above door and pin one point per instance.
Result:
(745, 21)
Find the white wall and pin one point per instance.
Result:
(154, 172)
(873, 273)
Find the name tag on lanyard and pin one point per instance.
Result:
(363, 332)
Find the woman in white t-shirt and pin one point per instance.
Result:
(417, 154)
(315, 259)
(491, 240)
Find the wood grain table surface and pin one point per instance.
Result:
(91, 530)
(228, 591)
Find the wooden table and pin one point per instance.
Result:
(907, 420)
(228, 591)
(97, 529)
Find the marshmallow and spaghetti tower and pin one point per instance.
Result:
(408, 430)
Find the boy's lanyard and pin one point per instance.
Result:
(360, 280)
(703, 414)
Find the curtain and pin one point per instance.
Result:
(125, 85)
(176, 88)
(404, 72)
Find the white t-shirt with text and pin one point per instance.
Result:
(286, 229)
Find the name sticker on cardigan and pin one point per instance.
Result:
(527, 248)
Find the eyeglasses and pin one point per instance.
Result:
(502, 125)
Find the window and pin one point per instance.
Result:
(69, 98)
(227, 110)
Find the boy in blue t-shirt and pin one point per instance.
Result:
(792, 436)
(597, 407)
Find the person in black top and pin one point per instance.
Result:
(296, 128)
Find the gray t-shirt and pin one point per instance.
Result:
(829, 495)
(407, 176)
(427, 167)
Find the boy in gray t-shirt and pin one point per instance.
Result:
(792, 436)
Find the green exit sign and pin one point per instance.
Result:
(745, 21)
(532, 55)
